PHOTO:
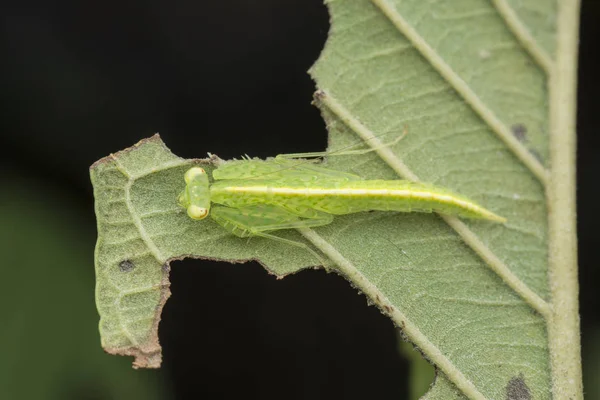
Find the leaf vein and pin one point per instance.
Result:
(461, 87)
(523, 35)
(432, 351)
(136, 220)
(469, 237)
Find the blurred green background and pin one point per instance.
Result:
(80, 81)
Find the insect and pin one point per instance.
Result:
(255, 197)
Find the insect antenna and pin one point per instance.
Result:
(343, 151)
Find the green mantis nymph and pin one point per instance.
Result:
(254, 197)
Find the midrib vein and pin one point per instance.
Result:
(463, 89)
(523, 35)
(469, 237)
(408, 327)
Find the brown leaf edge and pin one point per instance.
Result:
(149, 353)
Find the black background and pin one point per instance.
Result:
(80, 80)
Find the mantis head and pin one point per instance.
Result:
(195, 198)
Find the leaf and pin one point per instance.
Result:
(468, 80)
(462, 314)
(140, 229)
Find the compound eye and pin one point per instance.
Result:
(196, 212)
(192, 173)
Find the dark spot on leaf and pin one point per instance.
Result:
(517, 389)
(536, 155)
(520, 131)
(126, 266)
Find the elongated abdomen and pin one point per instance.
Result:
(354, 196)
(403, 196)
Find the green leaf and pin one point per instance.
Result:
(469, 82)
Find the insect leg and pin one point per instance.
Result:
(260, 219)
(265, 218)
(342, 152)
